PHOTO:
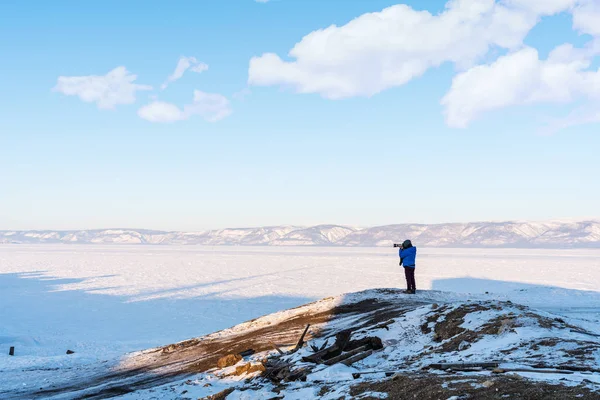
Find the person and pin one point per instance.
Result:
(408, 255)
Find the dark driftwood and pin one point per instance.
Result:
(357, 375)
(458, 366)
(299, 374)
(301, 340)
(335, 353)
(537, 368)
(342, 339)
(341, 357)
(247, 353)
(320, 355)
(357, 357)
(566, 368)
(277, 370)
(373, 342)
(537, 371)
(283, 371)
(585, 332)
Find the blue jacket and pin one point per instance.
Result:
(408, 256)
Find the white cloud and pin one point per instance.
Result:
(542, 7)
(159, 111)
(586, 17)
(199, 68)
(522, 78)
(107, 91)
(212, 107)
(380, 50)
(183, 65)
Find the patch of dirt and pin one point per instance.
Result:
(549, 323)
(450, 327)
(582, 350)
(324, 390)
(499, 325)
(433, 318)
(509, 351)
(375, 311)
(584, 353)
(547, 342)
(457, 338)
(428, 387)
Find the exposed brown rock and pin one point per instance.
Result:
(249, 368)
(229, 360)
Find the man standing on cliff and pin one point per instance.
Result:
(408, 255)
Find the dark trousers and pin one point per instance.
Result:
(410, 278)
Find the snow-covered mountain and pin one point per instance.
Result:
(578, 234)
(483, 234)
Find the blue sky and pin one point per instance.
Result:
(460, 111)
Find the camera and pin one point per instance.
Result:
(397, 245)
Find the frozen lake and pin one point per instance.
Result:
(153, 272)
(101, 301)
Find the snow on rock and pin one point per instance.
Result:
(423, 334)
(417, 331)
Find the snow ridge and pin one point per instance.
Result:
(516, 234)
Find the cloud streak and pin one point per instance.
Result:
(107, 91)
(212, 107)
(183, 65)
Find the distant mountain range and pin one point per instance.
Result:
(581, 234)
